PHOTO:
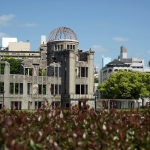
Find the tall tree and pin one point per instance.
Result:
(126, 85)
(14, 65)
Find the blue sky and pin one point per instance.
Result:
(103, 25)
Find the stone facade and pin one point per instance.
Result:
(69, 75)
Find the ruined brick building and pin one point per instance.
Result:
(69, 75)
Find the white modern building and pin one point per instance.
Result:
(123, 63)
(43, 39)
(6, 41)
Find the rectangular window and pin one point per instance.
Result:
(67, 46)
(11, 91)
(86, 89)
(38, 104)
(1, 104)
(44, 88)
(52, 89)
(82, 89)
(21, 88)
(61, 47)
(16, 105)
(59, 89)
(73, 46)
(55, 47)
(78, 89)
(28, 88)
(86, 71)
(78, 74)
(16, 88)
(1, 87)
(82, 71)
(56, 89)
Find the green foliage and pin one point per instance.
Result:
(42, 72)
(126, 85)
(30, 71)
(95, 80)
(14, 65)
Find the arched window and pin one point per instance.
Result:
(110, 70)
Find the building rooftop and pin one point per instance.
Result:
(116, 62)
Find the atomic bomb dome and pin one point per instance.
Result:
(62, 33)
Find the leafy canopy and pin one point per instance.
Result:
(126, 85)
(14, 65)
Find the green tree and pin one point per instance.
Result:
(95, 80)
(126, 85)
(14, 65)
(42, 71)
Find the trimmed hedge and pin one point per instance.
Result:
(76, 129)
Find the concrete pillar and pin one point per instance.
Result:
(80, 71)
(6, 79)
(58, 72)
(71, 73)
(58, 88)
(54, 79)
(14, 88)
(91, 72)
(18, 88)
(48, 87)
(14, 85)
(80, 89)
(57, 80)
(24, 87)
(6, 85)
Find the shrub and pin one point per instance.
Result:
(74, 129)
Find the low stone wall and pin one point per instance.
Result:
(117, 103)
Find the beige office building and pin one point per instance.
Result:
(19, 46)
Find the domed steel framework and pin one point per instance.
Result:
(62, 33)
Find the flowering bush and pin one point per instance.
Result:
(78, 129)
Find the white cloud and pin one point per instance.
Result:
(120, 39)
(99, 48)
(28, 25)
(3, 35)
(4, 19)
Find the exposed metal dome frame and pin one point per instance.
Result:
(62, 33)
